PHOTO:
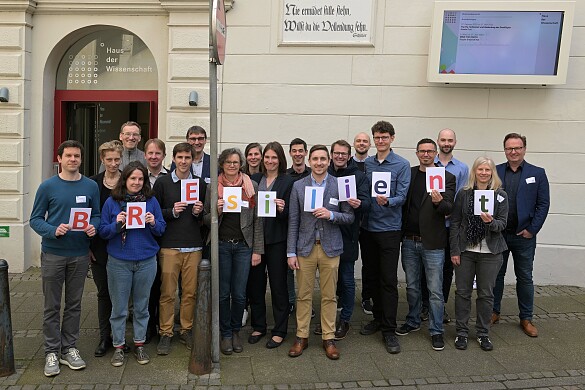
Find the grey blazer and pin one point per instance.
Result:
(302, 224)
(493, 236)
(252, 226)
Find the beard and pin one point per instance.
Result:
(446, 149)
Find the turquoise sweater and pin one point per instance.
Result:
(53, 203)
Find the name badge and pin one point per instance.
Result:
(500, 198)
(207, 180)
(245, 204)
(530, 180)
(80, 199)
(333, 201)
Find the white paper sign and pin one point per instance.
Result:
(483, 202)
(79, 219)
(381, 184)
(435, 179)
(313, 198)
(136, 215)
(189, 190)
(232, 197)
(266, 203)
(347, 188)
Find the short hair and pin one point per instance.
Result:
(297, 141)
(515, 136)
(426, 141)
(183, 147)
(110, 146)
(130, 123)
(277, 148)
(318, 147)
(495, 181)
(159, 144)
(196, 130)
(119, 191)
(383, 127)
(343, 143)
(70, 144)
(225, 154)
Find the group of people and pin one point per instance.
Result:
(315, 227)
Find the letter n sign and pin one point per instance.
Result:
(435, 179)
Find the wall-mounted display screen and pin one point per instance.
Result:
(494, 42)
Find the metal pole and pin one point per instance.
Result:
(6, 346)
(200, 361)
(214, 219)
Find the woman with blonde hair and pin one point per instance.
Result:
(477, 244)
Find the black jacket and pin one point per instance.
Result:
(276, 229)
(350, 233)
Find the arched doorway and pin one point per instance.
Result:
(104, 79)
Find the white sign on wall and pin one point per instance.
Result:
(327, 22)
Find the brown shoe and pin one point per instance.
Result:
(495, 318)
(330, 349)
(298, 347)
(341, 331)
(528, 328)
(318, 330)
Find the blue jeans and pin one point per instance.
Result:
(414, 257)
(346, 289)
(126, 277)
(522, 250)
(234, 266)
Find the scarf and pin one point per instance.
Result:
(139, 197)
(475, 226)
(242, 180)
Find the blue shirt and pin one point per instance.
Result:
(389, 217)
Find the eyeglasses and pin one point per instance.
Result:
(423, 152)
(384, 138)
(232, 163)
(196, 139)
(130, 135)
(340, 154)
(517, 149)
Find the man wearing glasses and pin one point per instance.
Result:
(197, 137)
(529, 201)
(381, 233)
(130, 137)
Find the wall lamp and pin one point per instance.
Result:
(193, 98)
(4, 95)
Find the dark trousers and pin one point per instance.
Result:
(380, 251)
(368, 277)
(447, 277)
(274, 259)
(100, 278)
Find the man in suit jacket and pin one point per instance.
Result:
(314, 242)
(197, 137)
(529, 200)
(424, 241)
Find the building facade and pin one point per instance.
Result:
(78, 69)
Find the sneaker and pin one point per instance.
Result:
(391, 343)
(187, 339)
(406, 329)
(164, 345)
(245, 317)
(141, 355)
(118, 357)
(437, 342)
(485, 343)
(367, 307)
(424, 313)
(370, 328)
(51, 365)
(446, 317)
(72, 359)
(461, 342)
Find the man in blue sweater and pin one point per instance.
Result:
(65, 254)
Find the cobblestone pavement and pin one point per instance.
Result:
(554, 360)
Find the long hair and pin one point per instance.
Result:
(277, 148)
(253, 145)
(119, 191)
(495, 182)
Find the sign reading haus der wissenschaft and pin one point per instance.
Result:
(323, 22)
